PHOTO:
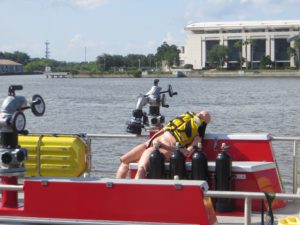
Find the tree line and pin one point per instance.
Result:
(104, 63)
(218, 55)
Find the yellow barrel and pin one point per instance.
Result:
(289, 221)
(55, 155)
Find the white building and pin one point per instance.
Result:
(10, 67)
(270, 40)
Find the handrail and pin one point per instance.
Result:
(282, 138)
(133, 136)
(101, 135)
(295, 157)
(248, 196)
(8, 187)
(272, 138)
(116, 135)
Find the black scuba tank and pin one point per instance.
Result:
(177, 164)
(156, 164)
(199, 164)
(223, 179)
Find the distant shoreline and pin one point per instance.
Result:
(246, 74)
(219, 74)
(192, 74)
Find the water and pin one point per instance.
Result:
(104, 105)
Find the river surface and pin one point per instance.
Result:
(103, 105)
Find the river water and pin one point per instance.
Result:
(103, 105)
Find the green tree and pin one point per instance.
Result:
(35, 65)
(218, 55)
(21, 57)
(135, 61)
(266, 61)
(239, 45)
(151, 60)
(104, 61)
(17, 56)
(169, 53)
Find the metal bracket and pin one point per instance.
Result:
(178, 186)
(216, 144)
(44, 182)
(109, 184)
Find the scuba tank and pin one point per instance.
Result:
(199, 164)
(156, 163)
(177, 163)
(223, 179)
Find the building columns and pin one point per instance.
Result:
(224, 43)
(203, 50)
(292, 58)
(272, 49)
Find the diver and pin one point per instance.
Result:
(153, 120)
(187, 129)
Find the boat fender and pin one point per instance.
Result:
(156, 164)
(199, 164)
(289, 221)
(177, 163)
(223, 176)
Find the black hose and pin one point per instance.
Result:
(270, 198)
(262, 208)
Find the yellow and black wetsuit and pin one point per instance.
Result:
(186, 127)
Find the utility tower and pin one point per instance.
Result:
(47, 51)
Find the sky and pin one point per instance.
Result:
(80, 30)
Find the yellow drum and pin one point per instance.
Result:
(55, 155)
(289, 221)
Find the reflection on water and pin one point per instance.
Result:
(269, 105)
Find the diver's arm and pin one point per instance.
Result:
(198, 138)
(158, 133)
(190, 149)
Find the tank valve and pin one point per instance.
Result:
(224, 147)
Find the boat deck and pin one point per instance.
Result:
(292, 209)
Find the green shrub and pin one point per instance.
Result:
(135, 73)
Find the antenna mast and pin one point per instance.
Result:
(47, 52)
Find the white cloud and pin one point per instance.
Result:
(130, 48)
(190, 7)
(270, 7)
(169, 38)
(151, 44)
(89, 3)
(222, 10)
(77, 41)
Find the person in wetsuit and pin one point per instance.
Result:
(188, 129)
